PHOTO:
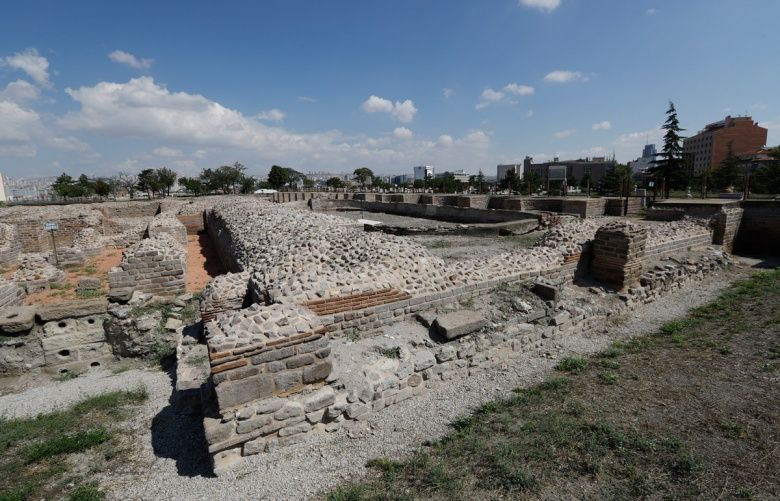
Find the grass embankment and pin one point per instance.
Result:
(53, 456)
(691, 411)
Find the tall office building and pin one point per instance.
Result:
(501, 170)
(423, 172)
(710, 146)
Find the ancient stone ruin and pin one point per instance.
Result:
(284, 344)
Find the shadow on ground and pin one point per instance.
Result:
(180, 436)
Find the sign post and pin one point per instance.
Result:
(51, 227)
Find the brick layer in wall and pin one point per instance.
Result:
(353, 302)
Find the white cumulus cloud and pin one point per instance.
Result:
(543, 5)
(563, 76)
(122, 57)
(20, 91)
(490, 96)
(563, 134)
(448, 93)
(402, 133)
(274, 115)
(30, 62)
(402, 111)
(602, 125)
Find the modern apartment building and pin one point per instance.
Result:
(707, 149)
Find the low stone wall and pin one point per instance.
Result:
(153, 265)
(115, 210)
(167, 224)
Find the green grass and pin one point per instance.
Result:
(89, 293)
(88, 492)
(572, 364)
(562, 439)
(436, 244)
(66, 444)
(66, 376)
(34, 451)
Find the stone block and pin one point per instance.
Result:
(459, 323)
(290, 410)
(547, 291)
(17, 319)
(72, 309)
(234, 393)
(287, 380)
(317, 372)
(319, 399)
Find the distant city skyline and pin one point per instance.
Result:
(328, 87)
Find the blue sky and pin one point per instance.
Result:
(103, 87)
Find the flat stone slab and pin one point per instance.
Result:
(426, 318)
(459, 323)
(547, 290)
(16, 319)
(73, 309)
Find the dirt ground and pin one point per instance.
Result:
(97, 266)
(203, 264)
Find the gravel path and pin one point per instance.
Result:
(170, 461)
(58, 395)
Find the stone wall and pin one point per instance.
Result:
(10, 245)
(265, 363)
(617, 252)
(153, 265)
(726, 225)
(224, 293)
(146, 209)
(168, 224)
(60, 338)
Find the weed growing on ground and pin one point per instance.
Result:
(66, 376)
(34, 451)
(394, 352)
(89, 293)
(572, 364)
